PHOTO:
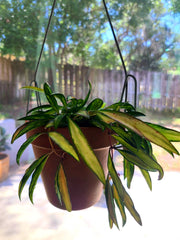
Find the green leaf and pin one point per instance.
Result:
(87, 96)
(63, 143)
(25, 145)
(83, 113)
(120, 204)
(36, 89)
(26, 127)
(57, 187)
(85, 150)
(103, 117)
(147, 178)
(61, 97)
(95, 104)
(39, 116)
(47, 89)
(139, 157)
(123, 195)
(58, 120)
(28, 173)
(18, 132)
(110, 204)
(171, 134)
(35, 176)
(141, 163)
(128, 172)
(62, 188)
(39, 108)
(141, 128)
(130, 205)
(51, 99)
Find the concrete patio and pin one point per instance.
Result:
(159, 209)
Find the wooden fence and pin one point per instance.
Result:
(13, 75)
(155, 90)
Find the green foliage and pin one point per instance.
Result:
(133, 137)
(176, 6)
(78, 31)
(20, 27)
(3, 140)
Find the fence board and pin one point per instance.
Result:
(157, 91)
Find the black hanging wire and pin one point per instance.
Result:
(127, 76)
(39, 59)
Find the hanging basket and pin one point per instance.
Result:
(85, 189)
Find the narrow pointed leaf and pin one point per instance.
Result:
(139, 158)
(63, 143)
(110, 221)
(171, 134)
(120, 204)
(147, 178)
(85, 150)
(104, 118)
(142, 129)
(83, 113)
(18, 132)
(110, 204)
(130, 206)
(95, 104)
(35, 176)
(62, 188)
(28, 173)
(142, 164)
(87, 96)
(51, 99)
(128, 172)
(38, 116)
(58, 120)
(25, 145)
(39, 108)
(57, 187)
(36, 89)
(123, 195)
(61, 97)
(26, 127)
(47, 89)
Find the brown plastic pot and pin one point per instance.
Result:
(4, 166)
(85, 189)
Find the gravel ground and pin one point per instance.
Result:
(159, 210)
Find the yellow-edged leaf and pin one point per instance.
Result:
(85, 150)
(139, 158)
(119, 204)
(110, 204)
(63, 188)
(63, 143)
(123, 195)
(142, 129)
(36, 89)
(171, 134)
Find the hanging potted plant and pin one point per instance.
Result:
(73, 141)
(4, 158)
